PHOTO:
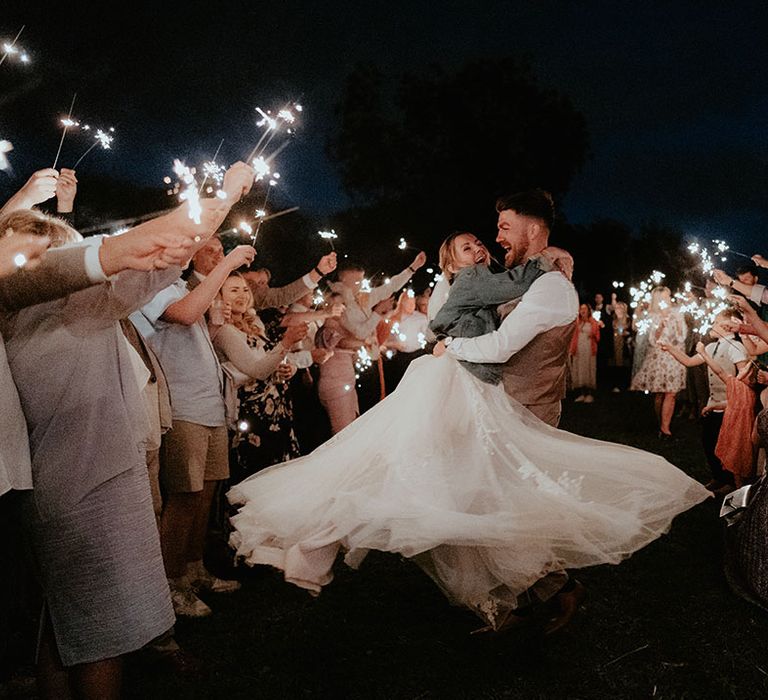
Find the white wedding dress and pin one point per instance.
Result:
(448, 470)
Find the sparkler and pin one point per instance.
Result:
(211, 169)
(723, 247)
(5, 147)
(642, 293)
(272, 125)
(189, 194)
(102, 138)
(20, 260)
(328, 236)
(68, 122)
(365, 286)
(402, 245)
(14, 51)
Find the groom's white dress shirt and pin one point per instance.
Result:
(550, 302)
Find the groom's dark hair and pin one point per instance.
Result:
(537, 203)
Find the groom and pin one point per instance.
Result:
(532, 343)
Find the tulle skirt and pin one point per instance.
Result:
(453, 473)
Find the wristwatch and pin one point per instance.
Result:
(447, 340)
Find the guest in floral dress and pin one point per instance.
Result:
(265, 434)
(660, 374)
(257, 352)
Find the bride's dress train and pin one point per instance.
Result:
(448, 470)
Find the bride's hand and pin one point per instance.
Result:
(561, 260)
(439, 349)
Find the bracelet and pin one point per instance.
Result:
(730, 284)
(413, 272)
(318, 271)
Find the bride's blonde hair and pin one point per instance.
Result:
(447, 254)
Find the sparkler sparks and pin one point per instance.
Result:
(328, 236)
(13, 51)
(212, 170)
(261, 167)
(20, 260)
(402, 245)
(67, 123)
(245, 227)
(189, 194)
(101, 138)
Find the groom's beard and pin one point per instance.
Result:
(513, 258)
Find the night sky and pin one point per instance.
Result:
(675, 94)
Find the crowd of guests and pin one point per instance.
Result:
(715, 376)
(143, 375)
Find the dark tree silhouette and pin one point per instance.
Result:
(425, 155)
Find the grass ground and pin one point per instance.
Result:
(661, 625)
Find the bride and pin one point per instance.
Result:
(452, 473)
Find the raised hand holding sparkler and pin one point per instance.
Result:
(325, 266)
(66, 191)
(418, 261)
(40, 187)
(760, 261)
(238, 180)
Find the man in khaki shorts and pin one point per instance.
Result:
(194, 454)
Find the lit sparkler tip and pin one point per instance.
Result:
(245, 227)
(327, 235)
(261, 167)
(266, 119)
(190, 194)
(365, 286)
(20, 260)
(104, 139)
(260, 213)
(214, 171)
(402, 245)
(286, 115)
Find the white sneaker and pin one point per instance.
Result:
(186, 603)
(580, 398)
(203, 580)
(589, 398)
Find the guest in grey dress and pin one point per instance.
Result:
(89, 517)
